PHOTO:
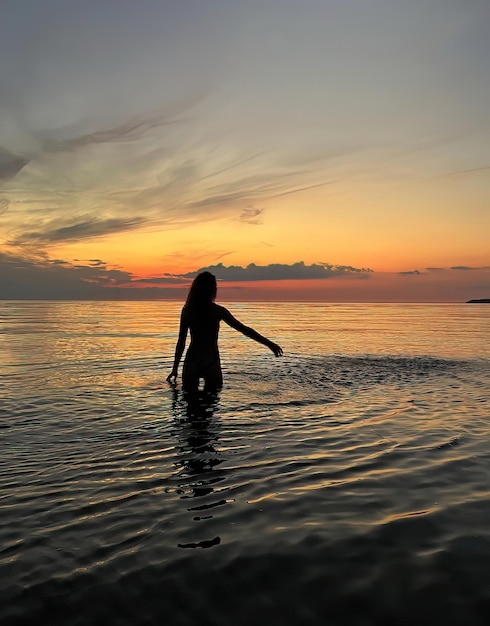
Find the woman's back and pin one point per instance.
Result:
(203, 323)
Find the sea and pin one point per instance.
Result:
(347, 482)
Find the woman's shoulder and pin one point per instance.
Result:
(219, 312)
(218, 309)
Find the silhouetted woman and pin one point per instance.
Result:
(201, 315)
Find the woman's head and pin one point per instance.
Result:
(203, 289)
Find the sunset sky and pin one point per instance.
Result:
(316, 150)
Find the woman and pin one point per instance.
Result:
(201, 315)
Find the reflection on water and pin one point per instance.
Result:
(197, 429)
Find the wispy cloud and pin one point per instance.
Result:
(166, 279)
(142, 172)
(89, 227)
(250, 215)
(128, 131)
(457, 268)
(10, 164)
(307, 188)
(473, 170)
(115, 119)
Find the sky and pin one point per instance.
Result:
(326, 150)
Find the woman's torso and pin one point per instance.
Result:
(204, 329)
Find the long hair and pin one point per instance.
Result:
(202, 292)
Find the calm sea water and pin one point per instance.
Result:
(345, 483)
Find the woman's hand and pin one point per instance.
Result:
(172, 377)
(275, 348)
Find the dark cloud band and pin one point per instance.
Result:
(280, 271)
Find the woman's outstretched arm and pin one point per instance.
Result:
(227, 317)
(179, 348)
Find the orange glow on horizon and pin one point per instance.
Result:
(436, 286)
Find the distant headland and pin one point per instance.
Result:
(481, 301)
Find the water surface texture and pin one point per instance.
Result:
(345, 483)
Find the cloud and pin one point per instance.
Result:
(465, 268)
(88, 228)
(472, 170)
(129, 131)
(38, 278)
(279, 271)
(411, 273)
(113, 173)
(166, 279)
(100, 133)
(458, 268)
(10, 164)
(34, 277)
(4, 205)
(251, 215)
(307, 188)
